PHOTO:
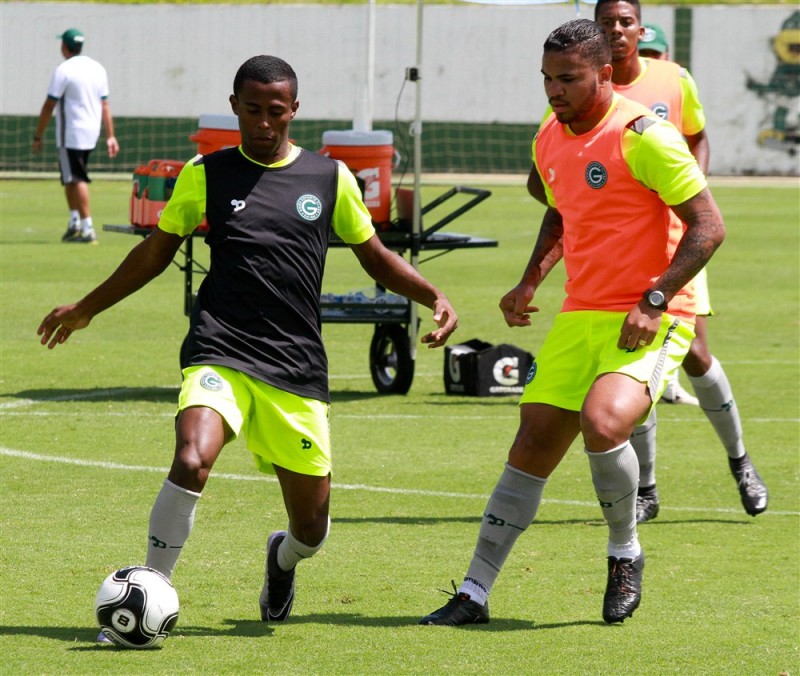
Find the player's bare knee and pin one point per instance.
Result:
(190, 468)
(698, 360)
(603, 430)
(311, 530)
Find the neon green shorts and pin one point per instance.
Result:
(582, 345)
(701, 294)
(281, 428)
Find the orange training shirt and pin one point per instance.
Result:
(613, 186)
(669, 91)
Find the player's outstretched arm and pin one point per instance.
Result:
(146, 260)
(396, 274)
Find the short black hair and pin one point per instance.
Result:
(73, 48)
(583, 35)
(266, 70)
(633, 3)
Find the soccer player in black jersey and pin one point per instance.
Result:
(253, 360)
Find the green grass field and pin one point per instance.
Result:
(85, 437)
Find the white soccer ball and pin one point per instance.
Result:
(136, 607)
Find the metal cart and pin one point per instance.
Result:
(393, 346)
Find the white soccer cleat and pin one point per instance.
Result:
(675, 394)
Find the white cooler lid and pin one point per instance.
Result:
(219, 122)
(351, 137)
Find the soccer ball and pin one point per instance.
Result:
(136, 607)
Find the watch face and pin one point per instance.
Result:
(656, 299)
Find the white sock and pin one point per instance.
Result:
(643, 441)
(86, 226)
(615, 474)
(291, 551)
(74, 218)
(475, 590)
(716, 399)
(171, 521)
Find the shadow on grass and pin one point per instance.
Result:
(24, 242)
(436, 399)
(256, 628)
(444, 399)
(476, 519)
(99, 394)
(170, 394)
(81, 636)
(733, 521)
(342, 397)
(434, 520)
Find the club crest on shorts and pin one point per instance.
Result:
(531, 373)
(309, 207)
(596, 175)
(211, 381)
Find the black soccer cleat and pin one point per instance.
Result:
(277, 595)
(72, 232)
(460, 609)
(624, 588)
(646, 504)
(751, 487)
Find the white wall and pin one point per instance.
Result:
(480, 63)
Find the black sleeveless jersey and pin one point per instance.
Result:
(257, 310)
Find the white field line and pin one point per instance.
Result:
(363, 416)
(5, 409)
(700, 419)
(351, 376)
(36, 457)
(86, 396)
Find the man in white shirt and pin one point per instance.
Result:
(78, 93)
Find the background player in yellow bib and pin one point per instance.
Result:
(253, 360)
(670, 92)
(614, 176)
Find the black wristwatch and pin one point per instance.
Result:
(655, 299)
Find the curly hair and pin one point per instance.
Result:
(584, 36)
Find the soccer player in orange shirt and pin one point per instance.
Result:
(615, 176)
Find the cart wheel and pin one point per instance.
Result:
(390, 361)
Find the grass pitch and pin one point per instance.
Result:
(85, 439)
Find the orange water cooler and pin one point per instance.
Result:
(369, 155)
(216, 132)
(140, 176)
(161, 176)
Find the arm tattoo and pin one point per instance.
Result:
(549, 248)
(704, 233)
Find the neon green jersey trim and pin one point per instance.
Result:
(187, 206)
(660, 160)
